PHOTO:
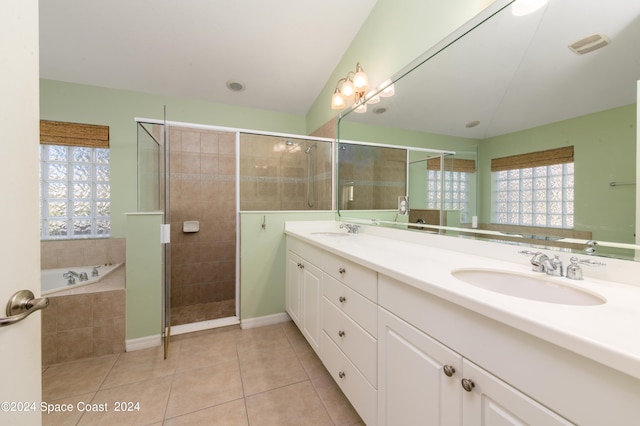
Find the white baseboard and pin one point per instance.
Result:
(265, 320)
(203, 325)
(142, 343)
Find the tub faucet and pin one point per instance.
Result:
(71, 277)
(352, 229)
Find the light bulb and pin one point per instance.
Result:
(337, 101)
(388, 90)
(361, 81)
(347, 89)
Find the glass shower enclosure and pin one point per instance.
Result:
(153, 196)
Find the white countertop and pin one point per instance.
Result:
(608, 333)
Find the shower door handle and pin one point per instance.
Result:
(22, 304)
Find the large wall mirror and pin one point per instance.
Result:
(542, 103)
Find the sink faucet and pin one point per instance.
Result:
(542, 263)
(352, 229)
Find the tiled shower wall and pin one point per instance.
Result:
(202, 188)
(274, 173)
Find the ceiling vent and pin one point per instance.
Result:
(589, 44)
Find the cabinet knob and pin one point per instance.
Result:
(342, 271)
(341, 333)
(342, 374)
(342, 299)
(300, 265)
(468, 385)
(449, 370)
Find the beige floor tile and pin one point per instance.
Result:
(142, 365)
(140, 403)
(257, 340)
(204, 387)
(295, 405)
(338, 406)
(75, 377)
(311, 362)
(208, 350)
(231, 413)
(57, 417)
(269, 369)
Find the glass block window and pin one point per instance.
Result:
(534, 196)
(74, 192)
(456, 192)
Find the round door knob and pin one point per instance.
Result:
(342, 271)
(341, 333)
(468, 385)
(449, 370)
(342, 374)
(342, 299)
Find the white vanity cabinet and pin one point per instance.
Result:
(424, 382)
(303, 291)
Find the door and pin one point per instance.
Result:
(20, 365)
(493, 402)
(417, 376)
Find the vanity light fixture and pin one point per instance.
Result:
(351, 87)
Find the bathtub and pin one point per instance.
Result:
(53, 283)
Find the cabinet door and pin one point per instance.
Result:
(293, 292)
(412, 385)
(311, 294)
(493, 402)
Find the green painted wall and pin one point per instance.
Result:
(118, 108)
(144, 275)
(262, 260)
(604, 150)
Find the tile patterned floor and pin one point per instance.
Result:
(262, 376)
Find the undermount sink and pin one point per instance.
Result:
(331, 234)
(541, 288)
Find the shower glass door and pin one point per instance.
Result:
(153, 195)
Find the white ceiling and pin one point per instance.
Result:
(284, 51)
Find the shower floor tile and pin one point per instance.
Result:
(225, 376)
(202, 312)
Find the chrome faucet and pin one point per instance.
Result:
(351, 228)
(71, 277)
(542, 263)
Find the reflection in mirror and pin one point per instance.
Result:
(507, 85)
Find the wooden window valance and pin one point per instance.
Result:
(74, 134)
(533, 159)
(459, 165)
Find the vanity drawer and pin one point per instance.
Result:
(356, 306)
(356, 343)
(359, 278)
(353, 384)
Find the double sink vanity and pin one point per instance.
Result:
(421, 328)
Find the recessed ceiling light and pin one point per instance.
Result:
(472, 124)
(235, 86)
(525, 7)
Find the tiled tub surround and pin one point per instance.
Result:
(87, 321)
(582, 361)
(203, 188)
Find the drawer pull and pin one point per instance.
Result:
(468, 385)
(342, 299)
(341, 333)
(342, 374)
(449, 370)
(342, 271)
